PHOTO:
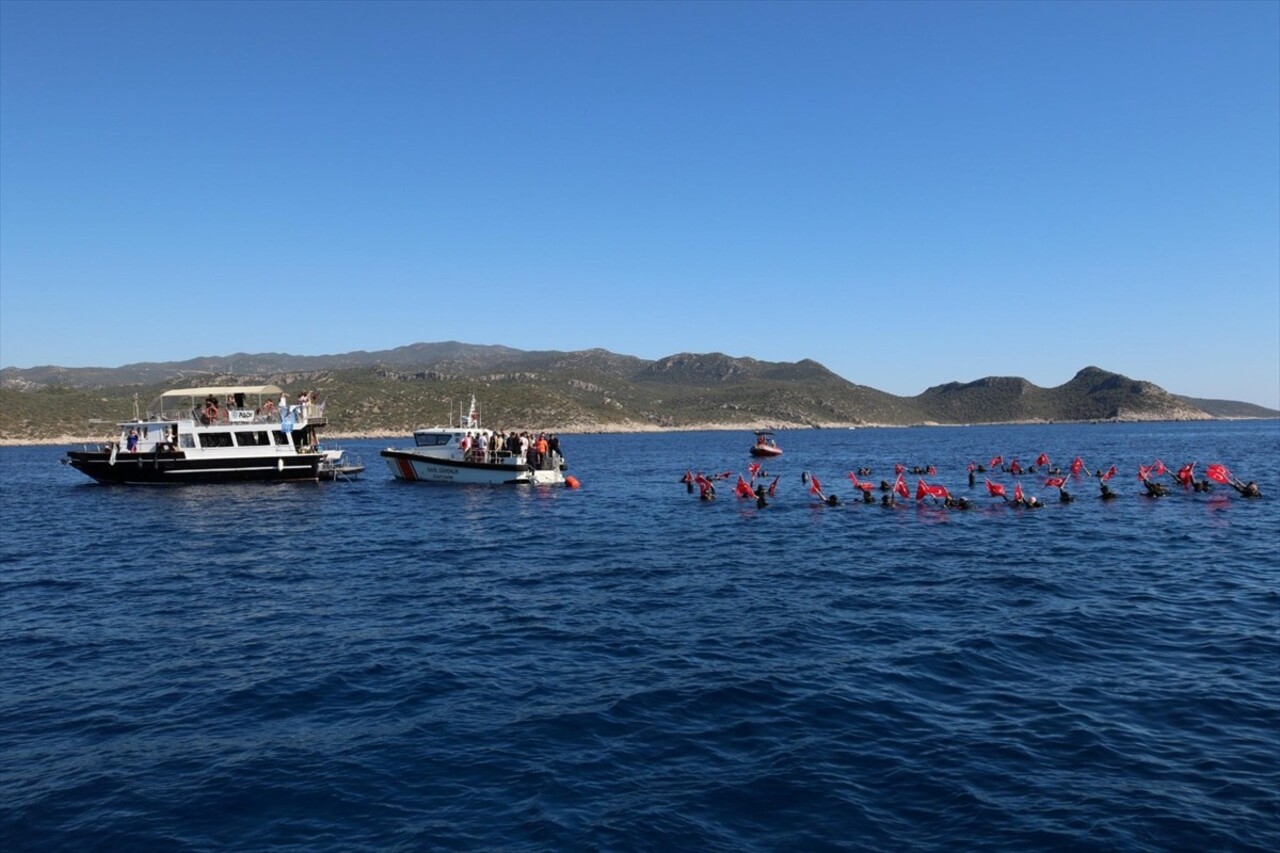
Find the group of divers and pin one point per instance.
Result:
(759, 487)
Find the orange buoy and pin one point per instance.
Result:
(571, 482)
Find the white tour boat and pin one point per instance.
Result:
(219, 434)
(472, 454)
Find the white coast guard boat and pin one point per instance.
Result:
(218, 434)
(472, 454)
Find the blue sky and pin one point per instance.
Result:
(909, 193)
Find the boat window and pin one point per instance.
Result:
(185, 440)
(216, 439)
(431, 439)
(252, 438)
(281, 439)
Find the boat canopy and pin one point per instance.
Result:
(156, 406)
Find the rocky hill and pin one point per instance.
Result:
(1092, 394)
(399, 389)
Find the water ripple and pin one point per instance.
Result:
(374, 665)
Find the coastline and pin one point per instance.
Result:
(628, 428)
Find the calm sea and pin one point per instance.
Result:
(374, 665)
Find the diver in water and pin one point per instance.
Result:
(1154, 489)
(1107, 494)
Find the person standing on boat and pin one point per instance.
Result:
(482, 447)
(131, 444)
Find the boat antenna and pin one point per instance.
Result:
(136, 415)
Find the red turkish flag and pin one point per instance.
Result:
(901, 487)
(1218, 473)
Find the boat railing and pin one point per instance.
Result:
(302, 413)
(495, 457)
(344, 459)
(550, 460)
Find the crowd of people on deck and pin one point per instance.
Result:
(541, 450)
(213, 410)
(760, 486)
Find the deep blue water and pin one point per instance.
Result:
(390, 666)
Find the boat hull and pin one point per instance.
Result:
(416, 467)
(765, 451)
(175, 467)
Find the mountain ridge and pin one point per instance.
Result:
(399, 389)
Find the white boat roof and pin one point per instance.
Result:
(156, 406)
(223, 390)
